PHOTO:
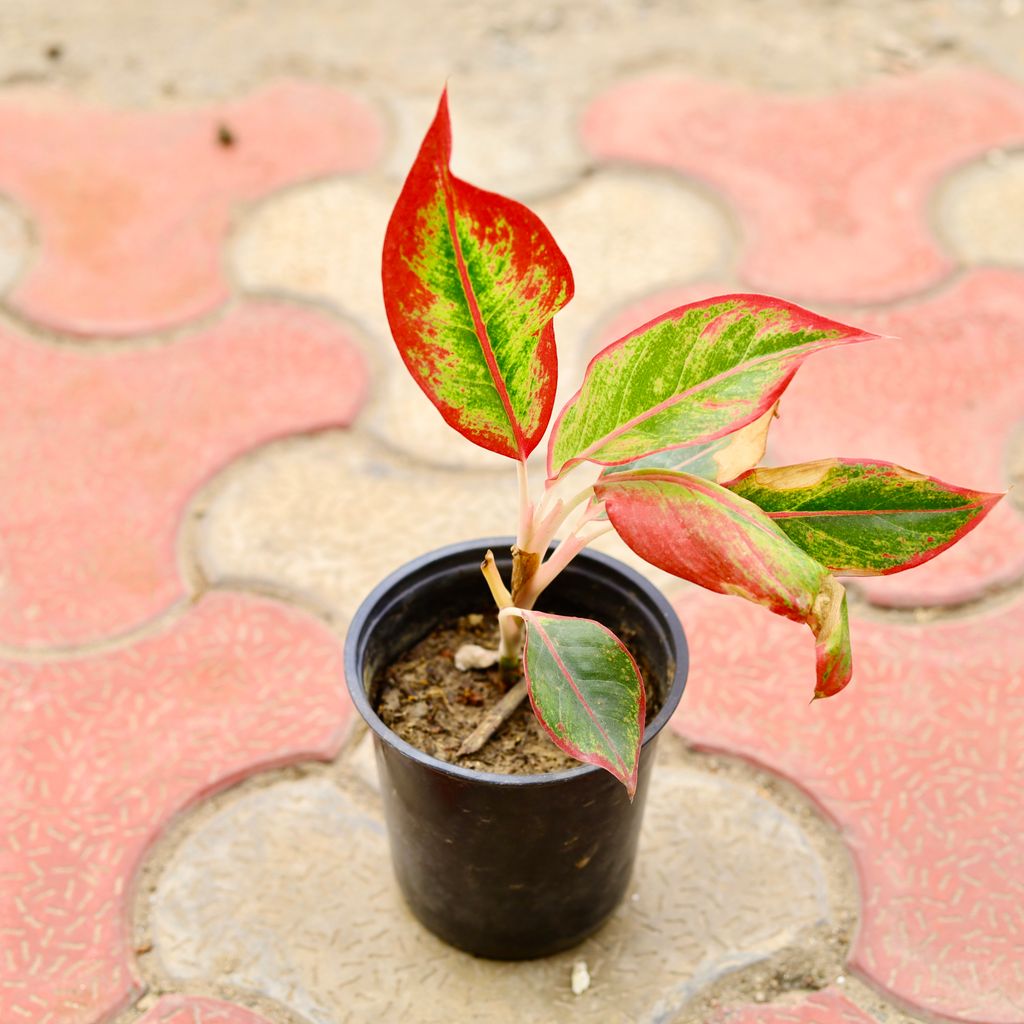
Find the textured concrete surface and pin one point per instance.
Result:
(981, 210)
(329, 935)
(919, 764)
(98, 752)
(104, 446)
(130, 208)
(197, 1010)
(194, 196)
(832, 192)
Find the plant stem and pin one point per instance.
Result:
(525, 507)
(560, 558)
(502, 598)
(544, 531)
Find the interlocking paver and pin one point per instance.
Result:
(918, 762)
(330, 937)
(101, 450)
(131, 207)
(826, 1007)
(943, 397)
(98, 752)
(198, 1010)
(833, 191)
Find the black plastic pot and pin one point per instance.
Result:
(509, 866)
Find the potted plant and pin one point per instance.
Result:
(660, 443)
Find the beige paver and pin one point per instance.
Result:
(980, 210)
(287, 891)
(322, 241)
(327, 517)
(15, 242)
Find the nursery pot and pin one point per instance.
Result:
(509, 866)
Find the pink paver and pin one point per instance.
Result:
(199, 1010)
(826, 1007)
(100, 450)
(919, 763)
(99, 752)
(132, 207)
(941, 398)
(833, 191)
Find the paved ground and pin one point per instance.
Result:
(209, 452)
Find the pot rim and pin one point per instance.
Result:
(360, 698)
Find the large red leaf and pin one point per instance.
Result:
(471, 282)
(704, 533)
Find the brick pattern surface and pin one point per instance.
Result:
(919, 764)
(832, 192)
(97, 753)
(103, 444)
(131, 207)
(100, 451)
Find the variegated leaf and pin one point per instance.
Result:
(704, 533)
(692, 375)
(720, 460)
(586, 691)
(471, 282)
(862, 517)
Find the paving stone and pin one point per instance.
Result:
(833, 191)
(99, 752)
(15, 242)
(624, 231)
(322, 241)
(131, 207)
(102, 447)
(198, 1010)
(942, 397)
(328, 935)
(918, 762)
(327, 517)
(825, 1007)
(980, 210)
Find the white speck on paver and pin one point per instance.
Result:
(580, 978)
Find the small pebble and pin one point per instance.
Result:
(580, 978)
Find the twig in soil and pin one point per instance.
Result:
(490, 722)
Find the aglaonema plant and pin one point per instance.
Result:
(672, 418)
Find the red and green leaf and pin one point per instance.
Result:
(720, 460)
(586, 692)
(861, 517)
(704, 533)
(692, 375)
(471, 282)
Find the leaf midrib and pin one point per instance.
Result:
(480, 327)
(542, 633)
